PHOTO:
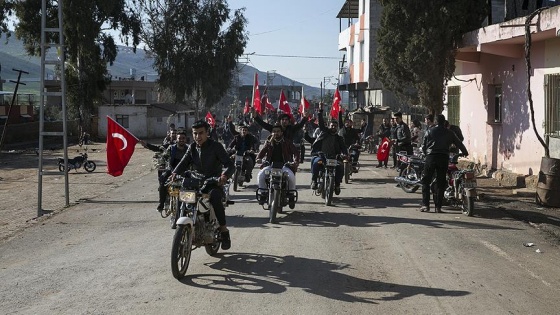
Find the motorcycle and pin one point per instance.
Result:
(351, 164)
(241, 161)
(326, 183)
(369, 145)
(277, 190)
(410, 171)
(461, 187)
(76, 163)
(197, 225)
(172, 203)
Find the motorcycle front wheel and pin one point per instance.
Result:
(324, 186)
(409, 173)
(274, 206)
(235, 179)
(329, 191)
(90, 166)
(467, 205)
(181, 251)
(347, 171)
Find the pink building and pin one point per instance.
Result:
(488, 94)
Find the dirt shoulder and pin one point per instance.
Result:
(19, 178)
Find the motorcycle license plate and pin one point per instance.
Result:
(469, 184)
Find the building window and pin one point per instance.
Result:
(122, 120)
(362, 52)
(454, 105)
(552, 104)
(495, 104)
(351, 55)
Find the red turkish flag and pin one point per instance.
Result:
(304, 105)
(267, 103)
(283, 105)
(120, 147)
(257, 96)
(336, 105)
(383, 150)
(210, 119)
(247, 108)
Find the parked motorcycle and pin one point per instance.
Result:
(461, 187)
(76, 163)
(410, 171)
(351, 164)
(326, 183)
(369, 145)
(197, 225)
(277, 190)
(241, 161)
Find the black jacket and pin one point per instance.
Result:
(209, 159)
(325, 132)
(404, 138)
(290, 130)
(351, 135)
(438, 139)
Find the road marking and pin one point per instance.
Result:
(503, 254)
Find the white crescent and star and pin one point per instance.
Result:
(384, 146)
(120, 136)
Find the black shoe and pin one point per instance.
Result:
(226, 241)
(438, 210)
(230, 202)
(378, 166)
(314, 185)
(262, 199)
(160, 207)
(425, 209)
(337, 190)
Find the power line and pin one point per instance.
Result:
(295, 56)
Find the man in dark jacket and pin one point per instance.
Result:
(332, 145)
(404, 138)
(435, 146)
(245, 142)
(288, 129)
(351, 135)
(174, 153)
(209, 157)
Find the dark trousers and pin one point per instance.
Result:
(162, 189)
(216, 197)
(434, 164)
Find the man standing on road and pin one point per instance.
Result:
(435, 146)
(209, 157)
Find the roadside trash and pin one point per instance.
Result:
(538, 251)
(528, 244)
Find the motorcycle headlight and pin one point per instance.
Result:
(188, 196)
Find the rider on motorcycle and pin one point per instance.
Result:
(350, 134)
(332, 145)
(278, 149)
(209, 157)
(242, 142)
(175, 153)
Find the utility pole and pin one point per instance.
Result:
(18, 82)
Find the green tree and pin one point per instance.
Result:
(195, 44)
(88, 45)
(417, 46)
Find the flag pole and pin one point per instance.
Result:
(123, 128)
(253, 94)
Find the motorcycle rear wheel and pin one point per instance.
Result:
(408, 173)
(467, 205)
(212, 249)
(90, 166)
(181, 250)
(61, 167)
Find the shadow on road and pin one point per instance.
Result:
(258, 273)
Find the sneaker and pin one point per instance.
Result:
(424, 209)
(226, 241)
(314, 185)
(438, 210)
(337, 190)
(378, 166)
(385, 166)
(159, 207)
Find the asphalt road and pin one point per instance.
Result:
(372, 252)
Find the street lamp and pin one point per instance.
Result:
(324, 84)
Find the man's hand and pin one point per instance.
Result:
(321, 106)
(223, 179)
(172, 177)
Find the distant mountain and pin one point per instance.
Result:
(127, 64)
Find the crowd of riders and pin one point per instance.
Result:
(330, 139)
